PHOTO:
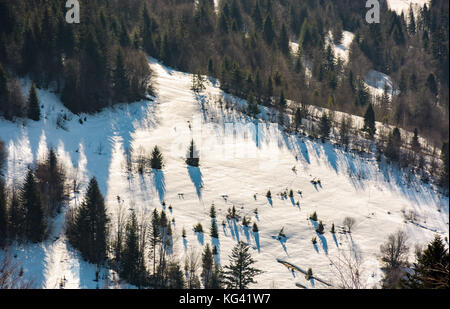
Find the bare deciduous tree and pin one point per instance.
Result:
(348, 271)
(349, 222)
(10, 274)
(394, 256)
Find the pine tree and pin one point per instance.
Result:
(192, 158)
(431, 270)
(393, 146)
(132, 266)
(34, 111)
(3, 215)
(325, 126)
(284, 40)
(4, 92)
(156, 160)
(16, 217)
(268, 32)
(445, 170)
(212, 212)
(239, 274)
(175, 276)
(415, 144)
(121, 84)
(214, 231)
(252, 106)
(369, 121)
(320, 229)
(255, 228)
(207, 267)
(155, 237)
(35, 225)
(88, 229)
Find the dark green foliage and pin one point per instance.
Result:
(51, 177)
(394, 144)
(309, 274)
(3, 156)
(268, 32)
(320, 229)
(132, 260)
(431, 270)
(252, 106)
(156, 161)
(324, 126)
(445, 170)
(175, 276)
(269, 194)
(210, 275)
(214, 230)
(34, 221)
(369, 121)
(198, 228)
(3, 215)
(212, 212)
(313, 216)
(34, 110)
(333, 231)
(240, 273)
(192, 158)
(255, 228)
(415, 144)
(87, 229)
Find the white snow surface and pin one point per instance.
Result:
(239, 157)
(403, 5)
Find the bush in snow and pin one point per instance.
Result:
(313, 216)
(156, 160)
(349, 222)
(320, 229)
(198, 228)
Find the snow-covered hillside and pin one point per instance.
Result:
(240, 160)
(402, 6)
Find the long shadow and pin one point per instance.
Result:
(216, 242)
(258, 246)
(270, 201)
(236, 230)
(160, 183)
(323, 240)
(247, 233)
(335, 240)
(197, 179)
(331, 156)
(201, 238)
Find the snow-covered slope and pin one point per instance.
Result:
(241, 158)
(403, 5)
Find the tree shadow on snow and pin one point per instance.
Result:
(197, 179)
(160, 183)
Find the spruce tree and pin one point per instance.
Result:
(369, 121)
(121, 84)
(239, 274)
(35, 225)
(16, 217)
(431, 270)
(325, 126)
(192, 158)
(155, 237)
(88, 230)
(175, 276)
(3, 215)
(268, 32)
(214, 231)
(207, 267)
(34, 111)
(415, 144)
(444, 181)
(132, 264)
(156, 160)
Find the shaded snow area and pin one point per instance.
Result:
(402, 6)
(378, 83)
(341, 50)
(240, 160)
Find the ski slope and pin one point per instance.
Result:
(240, 160)
(402, 6)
